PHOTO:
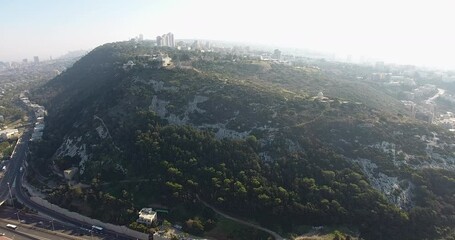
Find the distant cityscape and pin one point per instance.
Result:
(168, 40)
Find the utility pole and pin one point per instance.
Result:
(53, 229)
(10, 194)
(18, 219)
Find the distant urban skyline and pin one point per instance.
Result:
(405, 32)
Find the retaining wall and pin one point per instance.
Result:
(120, 229)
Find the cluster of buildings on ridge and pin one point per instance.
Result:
(166, 40)
(25, 61)
(160, 59)
(39, 112)
(156, 60)
(418, 91)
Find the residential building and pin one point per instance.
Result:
(208, 45)
(147, 216)
(410, 107)
(130, 64)
(276, 54)
(39, 127)
(165, 60)
(162, 59)
(36, 136)
(166, 40)
(36, 59)
(196, 45)
(171, 41)
(8, 134)
(159, 41)
(40, 119)
(69, 173)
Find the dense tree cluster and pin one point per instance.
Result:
(316, 187)
(6, 148)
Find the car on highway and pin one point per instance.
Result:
(12, 226)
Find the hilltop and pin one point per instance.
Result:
(287, 146)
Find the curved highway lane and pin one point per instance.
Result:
(12, 180)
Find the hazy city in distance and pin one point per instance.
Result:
(404, 32)
(196, 120)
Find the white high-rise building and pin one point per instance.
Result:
(171, 40)
(166, 40)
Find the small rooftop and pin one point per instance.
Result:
(147, 211)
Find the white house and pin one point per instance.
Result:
(69, 173)
(146, 216)
(165, 60)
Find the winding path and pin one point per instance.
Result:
(312, 120)
(274, 234)
(438, 94)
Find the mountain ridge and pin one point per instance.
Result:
(249, 137)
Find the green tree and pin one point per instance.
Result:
(194, 226)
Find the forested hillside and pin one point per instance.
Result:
(253, 138)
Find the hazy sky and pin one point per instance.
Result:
(414, 32)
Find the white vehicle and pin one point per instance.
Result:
(12, 226)
(96, 228)
(4, 168)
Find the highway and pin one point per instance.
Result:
(14, 164)
(21, 235)
(25, 231)
(40, 226)
(11, 183)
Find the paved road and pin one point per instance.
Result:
(274, 234)
(42, 224)
(13, 165)
(438, 94)
(18, 234)
(28, 232)
(13, 180)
